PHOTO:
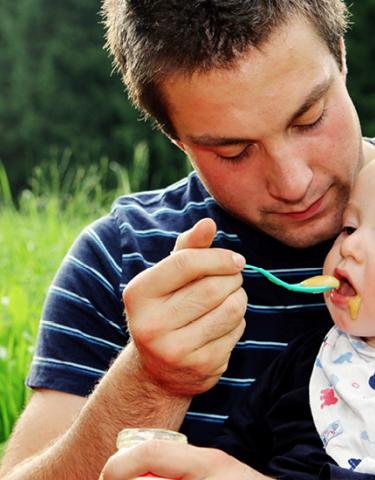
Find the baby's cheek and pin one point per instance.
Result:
(332, 259)
(327, 266)
(331, 308)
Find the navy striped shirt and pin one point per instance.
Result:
(83, 326)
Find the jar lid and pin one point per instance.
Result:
(132, 436)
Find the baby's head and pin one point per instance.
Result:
(352, 261)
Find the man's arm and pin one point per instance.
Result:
(89, 439)
(173, 460)
(48, 415)
(185, 315)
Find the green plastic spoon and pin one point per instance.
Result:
(310, 285)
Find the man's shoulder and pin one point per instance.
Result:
(153, 199)
(179, 205)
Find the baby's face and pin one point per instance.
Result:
(352, 261)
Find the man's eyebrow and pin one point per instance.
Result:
(211, 141)
(316, 94)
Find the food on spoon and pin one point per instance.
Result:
(321, 281)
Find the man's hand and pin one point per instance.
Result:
(179, 461)
(186, 313)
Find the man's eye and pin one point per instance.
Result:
(348, 230)
(236, 158)
(311, 126)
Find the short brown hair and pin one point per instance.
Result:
(150, 39)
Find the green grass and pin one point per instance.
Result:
(2, 449)
(34, 237)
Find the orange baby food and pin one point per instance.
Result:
(321, 281)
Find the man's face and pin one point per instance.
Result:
(275, 138)
(352, 261)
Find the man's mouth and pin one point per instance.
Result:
(307, 213)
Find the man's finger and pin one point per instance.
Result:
(200, 343)
(198, 298)
(183, 267)
(201, 235)
(217, 323)
(171, 460)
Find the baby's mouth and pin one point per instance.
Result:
(345, 288)
(346, 294)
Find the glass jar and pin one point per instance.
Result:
(133, 436)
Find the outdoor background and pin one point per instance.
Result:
(70, 143)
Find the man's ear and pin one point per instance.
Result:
(344, 68)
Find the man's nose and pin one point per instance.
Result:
(288, 174)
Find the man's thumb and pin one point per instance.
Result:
(201, 235)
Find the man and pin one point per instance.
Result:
(254, 92)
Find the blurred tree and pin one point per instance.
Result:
(57, 93)
(361, 60)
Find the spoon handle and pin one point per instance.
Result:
(270, 276)
(294, 287)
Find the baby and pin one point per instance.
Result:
(342, 384)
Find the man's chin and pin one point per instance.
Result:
(324, 226)
(303, 237)
(301, 243)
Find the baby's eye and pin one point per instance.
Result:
(348, 230)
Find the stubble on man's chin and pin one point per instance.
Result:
(304, 236)
(296, 240)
